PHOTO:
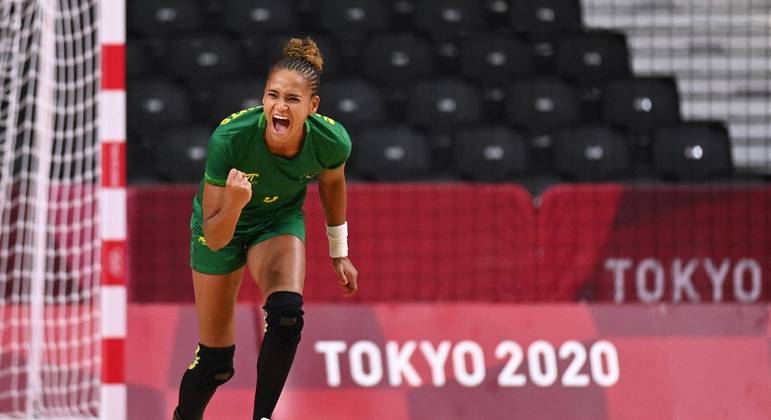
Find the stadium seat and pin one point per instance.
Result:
(593, 58)
(354, 16)
(641, 104)
(692, 151)
(438, 105)
(446, 19)
(397, 60)
(492, 59)
(390, 153)
(489, 153)
(162, 18)
(154, 103)
(234, 95)
(257, 17)
(352, 101)
(204, 58)
(542, 104)
(181, 152)
(591, 153)
(548, 15)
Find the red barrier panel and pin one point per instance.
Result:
(655, 244)
(481, 361)
(410, 242)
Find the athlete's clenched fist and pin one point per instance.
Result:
(238, 189)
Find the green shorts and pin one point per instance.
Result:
(233, 255)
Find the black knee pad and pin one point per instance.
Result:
(284, 315)
(213, 366)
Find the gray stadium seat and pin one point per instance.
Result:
(542, 103)
(439, 105)
(233, 95)
(163, 18)
(181, 152)
(352, 101)
(155, 103)
(591, 153)
(549, 15)
(692, 151)
(390, 153)
(446, 19)
(641, 104)
(489, 153)
(397, 59)
(492, 59)
(204, 58)
(354, 16)
(257, 17)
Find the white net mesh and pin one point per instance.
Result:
(49, 239)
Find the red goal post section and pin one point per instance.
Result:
(112, 136)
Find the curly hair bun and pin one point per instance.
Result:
(305, 49)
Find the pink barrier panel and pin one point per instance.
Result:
(409, 241)
(655, 244)
(481, 361)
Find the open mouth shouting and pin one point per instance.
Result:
(280, 124)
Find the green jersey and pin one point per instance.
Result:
(278, 183)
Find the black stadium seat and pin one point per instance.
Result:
(439, 105)
(396, 60)
(390, 153)
(137, 59)
(692, 151)
(492, 59)
(181, 152)
(163, 18)
(352, 101)
(204, 58)
(591, 153)
(446, 19)
(546, 15)
(641, 104)
(489, 153)
(592, 58)
(257, 17)
(354, 16)
(234, 95)
(154, 103)
(542, 103)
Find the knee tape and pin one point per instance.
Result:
(213, 366)
(284, 314)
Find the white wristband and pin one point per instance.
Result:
(338, 240)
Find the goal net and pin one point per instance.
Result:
(50, 337)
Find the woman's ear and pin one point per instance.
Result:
(314, 104)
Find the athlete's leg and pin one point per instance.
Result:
(278, 266)
(215, 300)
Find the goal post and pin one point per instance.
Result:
(62, 209)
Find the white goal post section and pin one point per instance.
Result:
(62, 209)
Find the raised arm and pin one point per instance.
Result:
(222, 207)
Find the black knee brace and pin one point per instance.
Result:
(211, 368)
(284, 315)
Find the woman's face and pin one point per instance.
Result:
(287, 102)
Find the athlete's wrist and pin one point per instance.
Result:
(338, 240)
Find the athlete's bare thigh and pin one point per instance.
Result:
(278, 264)
(215, 303)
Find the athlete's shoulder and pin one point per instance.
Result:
(239, 122)
(330, 140)
(326, 130)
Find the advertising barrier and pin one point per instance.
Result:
(482, 362)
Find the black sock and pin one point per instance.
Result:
(211, 368)
(284, 322)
